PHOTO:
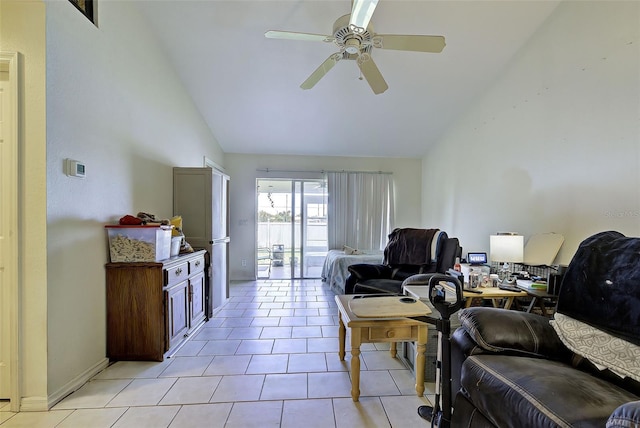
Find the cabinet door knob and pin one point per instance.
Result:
(178, 271)
(197, 263)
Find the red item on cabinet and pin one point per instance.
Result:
(130, 220)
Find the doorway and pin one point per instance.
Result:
(291, 221)
(9, 300)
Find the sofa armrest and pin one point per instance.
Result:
(462, 346)
(625, 416)
(362, 272)
(514, 332)
(365, 271)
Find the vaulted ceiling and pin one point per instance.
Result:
(247, 87)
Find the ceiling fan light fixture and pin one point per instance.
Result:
(352, 46)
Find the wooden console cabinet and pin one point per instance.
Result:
(153, 307)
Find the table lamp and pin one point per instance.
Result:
(506, 248)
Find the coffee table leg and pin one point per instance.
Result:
(342, 331)
(543, 308)
(355, 363)
(394, 349)
(421, 349)
(508, 302)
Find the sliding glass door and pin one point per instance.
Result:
(291, 228)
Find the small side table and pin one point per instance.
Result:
(538, 297)
(372, 330)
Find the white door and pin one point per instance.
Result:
(8, 226)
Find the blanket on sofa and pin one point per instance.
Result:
(602, 285)
(409, 246)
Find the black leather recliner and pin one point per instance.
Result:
(516, 369)
(409, 252)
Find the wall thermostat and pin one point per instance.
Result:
(74, 168)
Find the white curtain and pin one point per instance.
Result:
(360, 209)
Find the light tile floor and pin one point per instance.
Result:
(268, 358)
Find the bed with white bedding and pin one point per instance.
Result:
(335, 269)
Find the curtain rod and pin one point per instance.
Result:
(322, 171)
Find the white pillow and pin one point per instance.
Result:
(351, 251)
(599, 347)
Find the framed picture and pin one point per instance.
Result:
(87, 7)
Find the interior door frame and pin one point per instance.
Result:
(9, 292)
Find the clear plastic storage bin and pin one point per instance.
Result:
(139, 243)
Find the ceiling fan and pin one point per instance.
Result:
(354, 36)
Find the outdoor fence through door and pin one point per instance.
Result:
(291, 228)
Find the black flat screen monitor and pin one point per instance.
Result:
(477, 258)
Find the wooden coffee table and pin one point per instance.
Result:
(393, 328)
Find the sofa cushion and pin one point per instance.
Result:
(532, 392)
(599, 347)
(527, 334)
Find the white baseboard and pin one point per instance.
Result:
(73, 385)
(34, 404)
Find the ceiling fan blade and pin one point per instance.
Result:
(361, 13)
(289, 35)
(398, 42)
(370, 72)
(321, 71)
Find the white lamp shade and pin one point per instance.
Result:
(506, 248)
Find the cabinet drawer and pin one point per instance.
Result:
(176, 274)
(196, 265)
(389, 333)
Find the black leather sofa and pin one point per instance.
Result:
(581, 369)
(409, 251)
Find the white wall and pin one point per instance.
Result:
(554, 145)
(112, 101)
(243, 172)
